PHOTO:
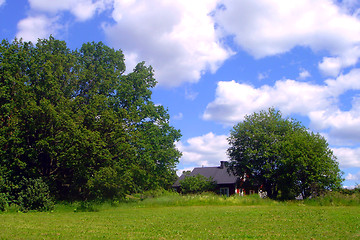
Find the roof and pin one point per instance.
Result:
(220, 174)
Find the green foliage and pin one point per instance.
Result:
(77, 121)
(34, 195)
(335, 198)
(4, 194)
(109, 183)
(87, 206)
(3, 202)
(282, 156)
(196, 184)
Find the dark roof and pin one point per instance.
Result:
(220, 175)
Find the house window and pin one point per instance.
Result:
(224, 191)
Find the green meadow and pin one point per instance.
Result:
(188, 217)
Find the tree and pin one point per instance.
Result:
(282, 156)
(75, 120)
(196, 184)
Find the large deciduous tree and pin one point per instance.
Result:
(74, 119)
(282, 155)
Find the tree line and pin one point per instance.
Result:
(73, 120)
(75, 126)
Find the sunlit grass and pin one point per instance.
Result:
(173, 216)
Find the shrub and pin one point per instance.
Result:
(108, 183)
(3, 202)
(197, 184)
(34, 195)
(87, 206)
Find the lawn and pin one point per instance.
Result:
(260, 221)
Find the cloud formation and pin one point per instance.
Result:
(82, 9)
(317, 102)
(183, 39)
(353, 177)
(205, 150)
(177, 38)
(39, 26)
(348, 157)
(269, 27)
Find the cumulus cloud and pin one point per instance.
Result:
(269, 27)
(81, 9)
(177, 38)
(318, 102)
(206, 150)
(32, 28)
(304, 74)
(235, 100)
(348, 157)
(44, 17)
(353, 177)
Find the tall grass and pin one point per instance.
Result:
(156, 199)
(334, 199)
(205, 199)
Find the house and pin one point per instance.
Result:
(225, 180)
(227, 183)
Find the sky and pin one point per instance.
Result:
(217, 61)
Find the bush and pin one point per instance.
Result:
(154, 193)
(108, 183)
(3, 202)
(34, 195)
(197, 184)
(87, 206)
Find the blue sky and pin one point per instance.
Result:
(219, 60)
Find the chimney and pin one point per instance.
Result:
(223, 164)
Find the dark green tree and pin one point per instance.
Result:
(75, 120)
(283, 156)
(196, 184)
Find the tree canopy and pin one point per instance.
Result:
(74, 119)
(282, 155)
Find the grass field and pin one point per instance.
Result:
(210, 218)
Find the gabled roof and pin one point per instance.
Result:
(220, 174)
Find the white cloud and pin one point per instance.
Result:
(206, 150)
(343, 125)
(348, 157)
(320, 103)
(235, 100)
(44, 16)
(176, 37)
(81, 9)
(2, 2)
(343, 83)
(269, 27)
(32, 28)
(304, 74)
(330, 66)
(353, 177)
